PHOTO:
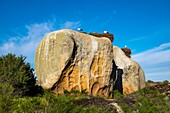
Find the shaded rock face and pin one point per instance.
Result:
(68, 60)
(133, 77)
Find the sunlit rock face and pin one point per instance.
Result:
(69, 60)
(133, 77)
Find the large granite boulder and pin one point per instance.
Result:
(132, 75)
(69, 60)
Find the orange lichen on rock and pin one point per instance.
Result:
(127, 89)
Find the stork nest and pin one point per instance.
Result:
(107, 35)
(127, 52)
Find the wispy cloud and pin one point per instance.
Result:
(155, 62)
(70, 25)
(137, 39)
(26, 44)
(156, 34)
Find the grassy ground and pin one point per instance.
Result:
(50, 103)
(155, 98)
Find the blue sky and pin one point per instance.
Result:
(142, 25)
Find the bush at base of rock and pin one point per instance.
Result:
(50, 103)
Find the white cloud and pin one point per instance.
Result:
(26, 45)
(70, 25)
(155, 62)
(7, 46)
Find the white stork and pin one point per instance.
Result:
(79, 29)
(106, 32)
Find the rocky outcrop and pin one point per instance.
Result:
(162, 87)
(133, 77)
(69, 60)
(100, 103)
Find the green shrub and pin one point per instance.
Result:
(50, 103)
(147, 101)
(150, 81)
(66, 92)
(15, 71)
(75, 91)
(84, 92)
(117, 94)
(165, 81)
(6, 90)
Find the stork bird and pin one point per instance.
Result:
(79, 29)
(106, 32)
(125, 46)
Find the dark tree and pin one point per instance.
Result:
(16, 72)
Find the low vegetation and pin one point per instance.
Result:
(152, 99)
(20, 94)
(17, 77)
(50, 103)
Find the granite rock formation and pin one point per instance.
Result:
(133, 77)
(70, 60)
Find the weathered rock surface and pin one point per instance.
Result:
(67, 60)
(162, 87)
(100, 103)
(133, 77)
